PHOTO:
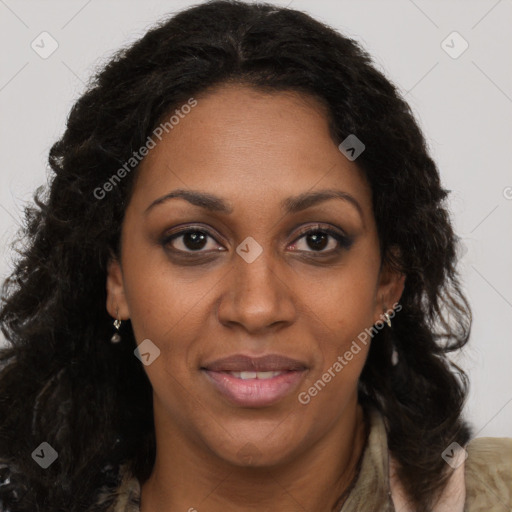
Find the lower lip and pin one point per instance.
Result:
(255, 392)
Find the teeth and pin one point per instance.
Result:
(254, 375)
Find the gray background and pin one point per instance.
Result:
(464, 106)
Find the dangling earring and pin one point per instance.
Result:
(394, 356)
(394, 353)
(116, 337)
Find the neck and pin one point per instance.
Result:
(188, 478)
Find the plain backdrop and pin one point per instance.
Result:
(462, 99)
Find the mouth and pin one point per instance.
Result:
(255, 382)
(255, 389)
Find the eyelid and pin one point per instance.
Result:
(324, 227)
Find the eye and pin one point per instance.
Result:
(189, 240)
(315, 240)
(320, 238)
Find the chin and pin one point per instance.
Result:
(256, 453)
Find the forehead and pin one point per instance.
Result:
(250, 146)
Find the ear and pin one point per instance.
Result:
(389, 288)
(116, 300)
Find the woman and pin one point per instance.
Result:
(240, 290)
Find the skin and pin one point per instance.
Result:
(254, 150)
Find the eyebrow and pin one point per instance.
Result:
(290, 205)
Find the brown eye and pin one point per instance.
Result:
(194, 240)
(317, 240)
(190, 240)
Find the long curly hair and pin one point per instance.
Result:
(63, 382)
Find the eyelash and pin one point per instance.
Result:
(344, 242)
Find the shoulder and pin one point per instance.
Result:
(123, 496)
(488, 474)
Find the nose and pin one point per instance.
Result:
(258, 295)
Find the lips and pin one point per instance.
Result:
(255, 382)
(267, 363)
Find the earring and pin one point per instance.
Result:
(116, 337)
(394, 356)
(394, 353)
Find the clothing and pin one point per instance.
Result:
(482, 484)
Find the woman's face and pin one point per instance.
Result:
(247, 279)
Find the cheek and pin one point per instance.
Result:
(168, 307)
(154, 295)
(341, 345)
(162, 310)
(342, 307)
(344, 300)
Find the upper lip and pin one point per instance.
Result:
(242, 363)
